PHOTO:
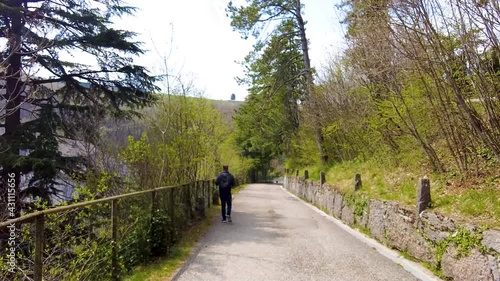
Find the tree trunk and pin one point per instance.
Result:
(310, 82)
(13, 112)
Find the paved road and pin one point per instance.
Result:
(275, 236)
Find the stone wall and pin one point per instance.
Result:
(456, 252)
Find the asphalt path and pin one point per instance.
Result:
(276, 236)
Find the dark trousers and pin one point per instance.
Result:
(225, 198)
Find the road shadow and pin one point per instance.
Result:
(248, 228)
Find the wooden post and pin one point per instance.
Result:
(184, 201)
(194, 197)
(39, 236)
(197, 189)
(207, 192)
(200, 207)
(153, 203)
(215, 193)
(171, 207)
(153, 214)
(187, 200)
(357, 182)
(306, 174)
(297, 173)
(321, 177)
(114, 243)
(423, 194)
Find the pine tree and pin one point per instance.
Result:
(256, 16)
(84, 70)
(269, 118)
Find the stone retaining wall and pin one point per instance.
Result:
(458, 252)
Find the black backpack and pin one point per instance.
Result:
(225, 182)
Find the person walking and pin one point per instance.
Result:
(226, 182)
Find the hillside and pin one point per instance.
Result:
(227, 108)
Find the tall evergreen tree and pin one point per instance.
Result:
(85, 71)
(270, 117)
(256, 16)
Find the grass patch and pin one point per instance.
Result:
(313, 171)
(238, 189)
(395, 178)
(164, 268)
(437, 271)
(363, 230)
(476, 203)
(378, 181)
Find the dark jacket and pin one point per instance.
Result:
(229, 177)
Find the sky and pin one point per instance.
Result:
(202, 48)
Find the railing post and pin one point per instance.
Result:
(306, 174)
(215, 193)
(171, 207)
(200, 207)
(190, 201)
(153, 214)
(322, 178)
(186, 201)
(197, 189)
(153, 203)
(114, 243)
(207, 190)
(39, 236)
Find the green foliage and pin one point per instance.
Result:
(230, 155)
(466, 240)
(67, 107)
(358, 202)
(137, 243)
(268, 120)
(165, 267)
(185, 139)
(463, 240)
(303, 151)
(78, 244)
(480, 203)
(252, 18)
(364, 230)
(270, 115)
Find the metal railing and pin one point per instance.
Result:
(101, 239)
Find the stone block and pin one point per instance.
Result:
(329, 201)
(376, 219)
(491, 240)
(402, 235)
(348, 215)
(473, 267)
(494, 264)
(337, 205)
(435, 227)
